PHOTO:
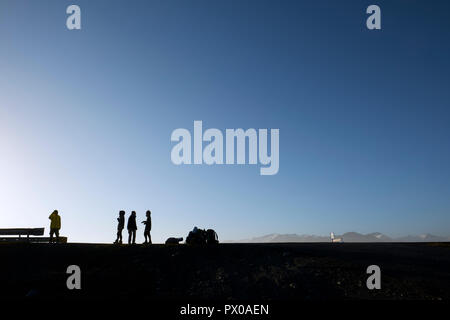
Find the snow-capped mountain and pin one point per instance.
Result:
(347, 237)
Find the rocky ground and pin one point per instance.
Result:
(304, 271)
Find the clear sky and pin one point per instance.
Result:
(86, 115)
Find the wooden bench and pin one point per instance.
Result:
(26, 232)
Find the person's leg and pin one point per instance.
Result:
(129, 236)
(149, 238)
(51, 235)
(57, 235)
(134, 236)
(120, 236)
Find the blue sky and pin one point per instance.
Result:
(86, 115)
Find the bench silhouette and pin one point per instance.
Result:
(26, 232)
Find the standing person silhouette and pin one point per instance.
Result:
(120, 226)
(148, 227)
(132, 227)
(55, 225)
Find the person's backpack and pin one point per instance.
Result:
(189, 238)
(211, 237)
(196, 237)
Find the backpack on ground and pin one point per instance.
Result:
(197, 236)
(211, 237)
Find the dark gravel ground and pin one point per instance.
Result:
(270, 272)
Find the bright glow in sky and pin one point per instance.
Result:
(86, 116)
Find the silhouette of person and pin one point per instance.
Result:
(55, 225)
(132, 227)
(120, 226)
(148, 227)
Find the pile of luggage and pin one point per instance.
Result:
(202, 236)
(197, 237)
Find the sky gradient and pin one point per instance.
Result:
(86, 116)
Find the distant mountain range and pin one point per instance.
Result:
(347, 237)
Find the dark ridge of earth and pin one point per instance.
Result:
(270, 272)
